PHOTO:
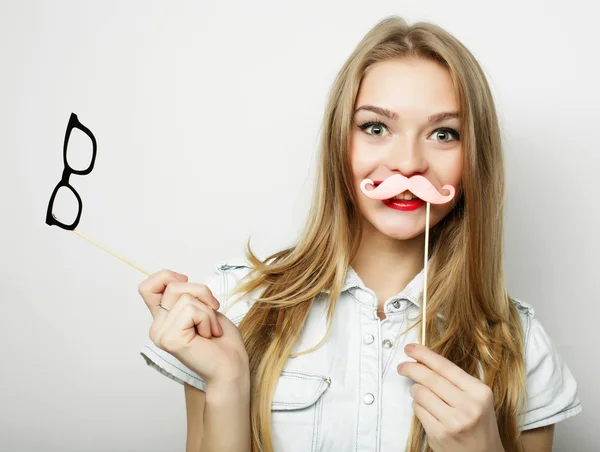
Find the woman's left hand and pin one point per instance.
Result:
(455, 408)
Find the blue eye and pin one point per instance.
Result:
(377, 128)
(446, 134)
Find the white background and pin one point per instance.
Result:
(207, 118)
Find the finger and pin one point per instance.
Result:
(199, 291)
(441, 366)
(423, 375)
(156, 283)
(210, 327)
(431, 425)
(213, 323)
(153, 287)
(195, 315)
(184, 325)
(175, 293)
(202, 321)
(432, 403)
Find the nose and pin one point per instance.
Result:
(406, 157)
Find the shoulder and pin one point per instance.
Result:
(526, 314)
(526, 311)
(539, 347)
(232, 271)
(551, 388)
(225, 275)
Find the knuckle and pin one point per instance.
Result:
(171, 287)
(167, 277)
(204, 290)
(170, 343)
(160, 342)
(487, 395)
(144, 286)
(456, 427)
(189, 309)
(186, 299)
(446, 368)
(204, 307)
(167, 345)
(468, 423)
(153, 333)
(162, 275)
(416, 390)
(165, 273)
(445, 435)
(476, 411)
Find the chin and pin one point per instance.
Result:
(402, 234)
(399, 230)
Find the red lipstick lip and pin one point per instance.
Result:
(405, 206)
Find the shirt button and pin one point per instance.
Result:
(368, 399)
(368, 339)
(396, 304)
(387, 343)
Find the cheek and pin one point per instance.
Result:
(363, 160)
(456, 167)
(456, 172)
(449, 169)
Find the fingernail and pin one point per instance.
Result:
(401, 370)
(409, 348)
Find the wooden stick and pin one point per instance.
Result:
(112, 252)
(127, 261)
(424, 324)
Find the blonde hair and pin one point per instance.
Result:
(482, 330)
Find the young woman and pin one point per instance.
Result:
(320, 349)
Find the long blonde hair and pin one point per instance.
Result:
(481, 331)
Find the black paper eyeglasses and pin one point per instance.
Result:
(51, 219)
(68, 171)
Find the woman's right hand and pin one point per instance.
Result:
(202, 338)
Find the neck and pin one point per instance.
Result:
(386, 265)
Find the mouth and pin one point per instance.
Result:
(405, 196)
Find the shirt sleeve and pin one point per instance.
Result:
(219, 282)
(551, 388)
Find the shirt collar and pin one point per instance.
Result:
(412, 292)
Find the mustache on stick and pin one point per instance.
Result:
(417, 185)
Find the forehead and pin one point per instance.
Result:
(408, 86)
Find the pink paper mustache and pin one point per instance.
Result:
(417, 185)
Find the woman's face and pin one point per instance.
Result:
(405, 121)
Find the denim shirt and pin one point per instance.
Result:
(347, 394)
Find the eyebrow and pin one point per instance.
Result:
(438, 117)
